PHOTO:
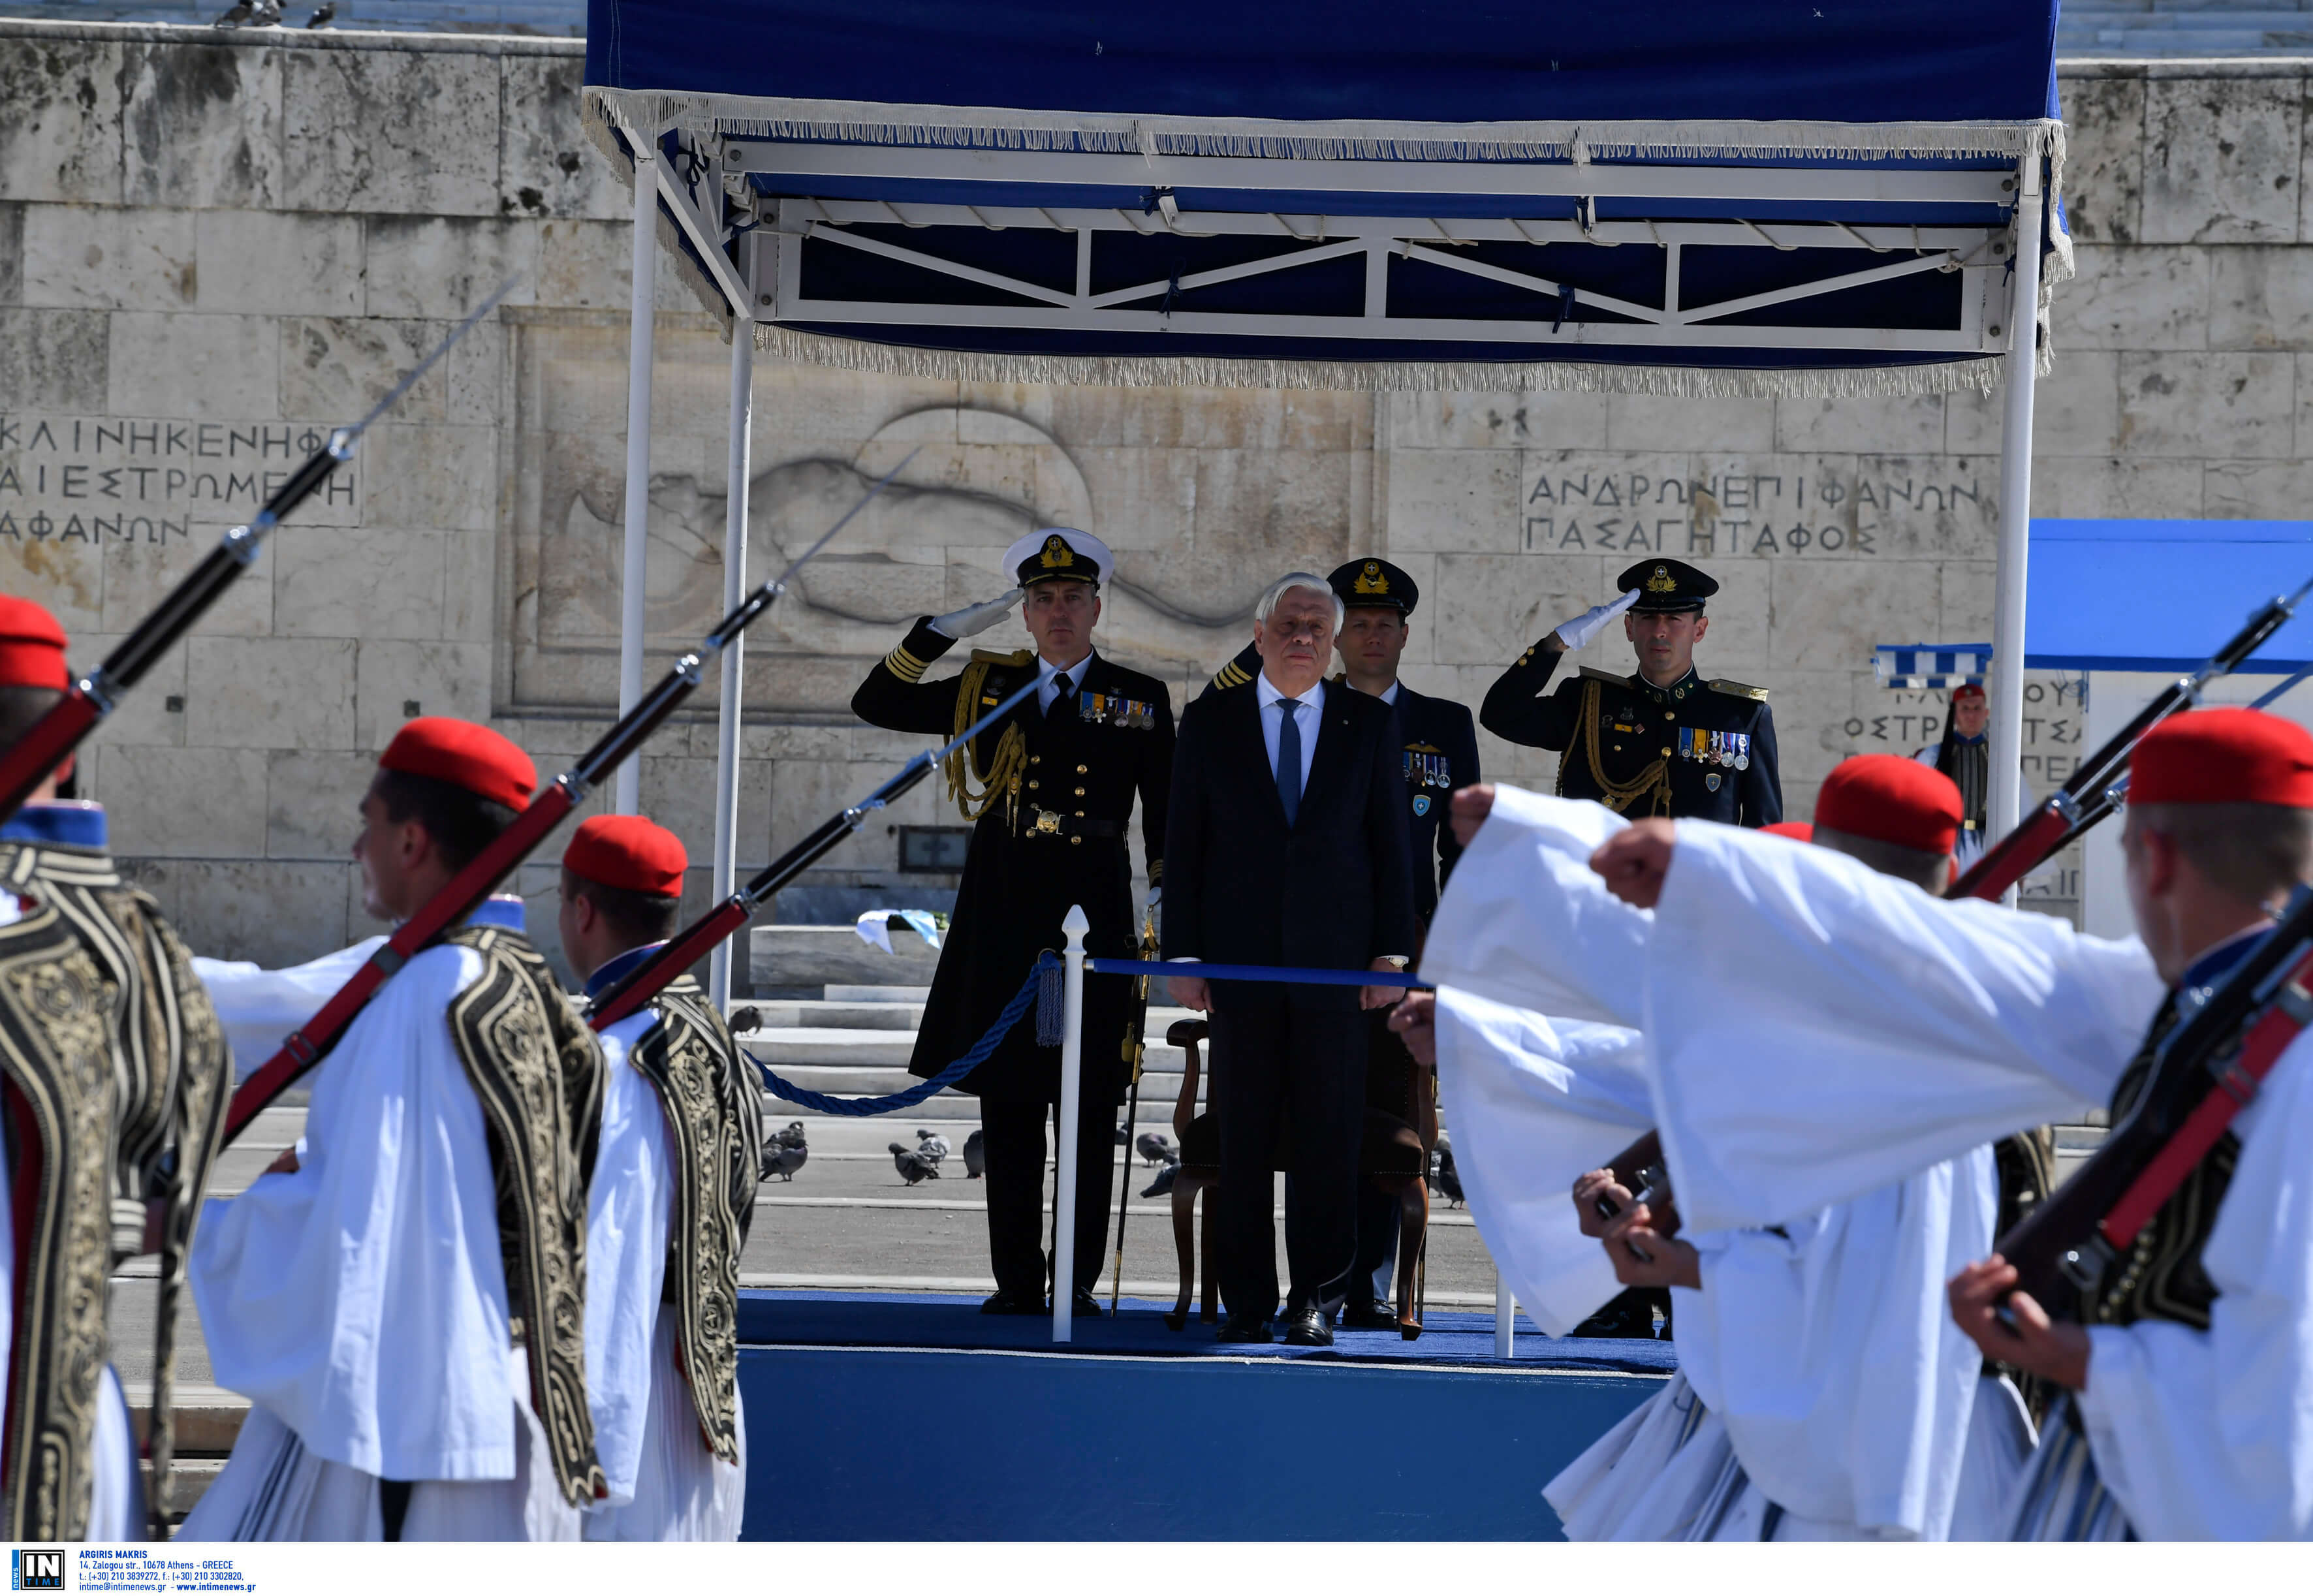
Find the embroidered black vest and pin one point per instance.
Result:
(539, 1074)
(2160, 1276)
(118, 1078)
(715, 1119)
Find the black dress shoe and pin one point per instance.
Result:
(1005, 1302)
(1308, 1328)
(1087, 1306)
(1372, 1315)
(1243, 1327)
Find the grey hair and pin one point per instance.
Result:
(1286, 583)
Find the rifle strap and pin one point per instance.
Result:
(2237, 1087)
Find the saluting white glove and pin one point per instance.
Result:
(1592, 622)
(975, 618)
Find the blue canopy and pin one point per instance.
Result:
(2162, 595)
(1689, 195)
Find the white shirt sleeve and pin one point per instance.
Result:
(1532, 1103)
(628, 1207)
(2209, 1434)
(1819, 1029)
(1526, 922)
(259, 1007)
(362, 1300)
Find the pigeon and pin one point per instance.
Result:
(322, 17)
(1157, 1148)
(975, 1154)
(932, 1146)
(792, 1136)
(742, 1021)
(914, 1166)
(252, 14)
(1163, 1184)
(1443, 1177)
(784, 1157)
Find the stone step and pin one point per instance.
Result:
(840, 992)
(793, 960)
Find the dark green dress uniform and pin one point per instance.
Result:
(1058, 792)
(1695, 749)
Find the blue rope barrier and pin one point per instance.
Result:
(861, 1108)
(1286, 973)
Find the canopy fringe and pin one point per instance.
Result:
(1978, 375)
(990, 128)
(674, 246)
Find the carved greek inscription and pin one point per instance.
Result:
(114, 479)
(1793, 508)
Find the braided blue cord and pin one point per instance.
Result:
(862, 1107)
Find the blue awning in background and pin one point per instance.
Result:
(2162, 595)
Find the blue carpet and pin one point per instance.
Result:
(931, 1321)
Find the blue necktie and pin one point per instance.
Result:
(1288, 760)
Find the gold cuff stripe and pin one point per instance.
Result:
(1155, 870)
(904, 665)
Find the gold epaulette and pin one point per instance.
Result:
(1231, 676)
(904, 665)
(989, 656)
(1608, 677)
(1737, 689)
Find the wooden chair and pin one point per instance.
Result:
(1401, 1127)
(1200, 1171)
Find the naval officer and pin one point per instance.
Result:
(1056, 780)
(1660, 741)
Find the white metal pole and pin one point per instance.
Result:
(1064, 1195)
(627, 790)
(1505, 1314)
(735, 657)
(2023, 315)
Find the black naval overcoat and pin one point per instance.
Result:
(1054, 836)
(1695, 749)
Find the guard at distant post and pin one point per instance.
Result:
(1051, 787)
(1661, 742)
(113, 1077)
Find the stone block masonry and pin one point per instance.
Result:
(213, 248)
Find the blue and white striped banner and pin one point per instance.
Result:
(1916, 666)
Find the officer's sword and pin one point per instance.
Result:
(307, 1045)
(69, 720)
(695, 940)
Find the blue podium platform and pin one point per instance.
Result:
(908, 1415)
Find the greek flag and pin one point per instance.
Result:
(1917, 666)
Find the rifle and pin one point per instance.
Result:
(2205, 1073)
(695, 940)
(2100, 783)
(307, 1045)
(1136, 1051)
(70, 720)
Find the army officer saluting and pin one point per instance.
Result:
(1662, 742)
(1055, 780)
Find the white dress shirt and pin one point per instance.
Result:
(1047, 673)
(1273, 722)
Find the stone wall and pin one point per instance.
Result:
(213, 249)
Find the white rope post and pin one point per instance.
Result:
(627, 791)
(1505, 1314)
(1064, 1194)
(735, 657)
(2023, 314)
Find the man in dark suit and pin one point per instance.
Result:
(1286, 843)
(1057, 778)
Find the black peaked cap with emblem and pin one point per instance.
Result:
(1665, 587)
(1374, 585)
